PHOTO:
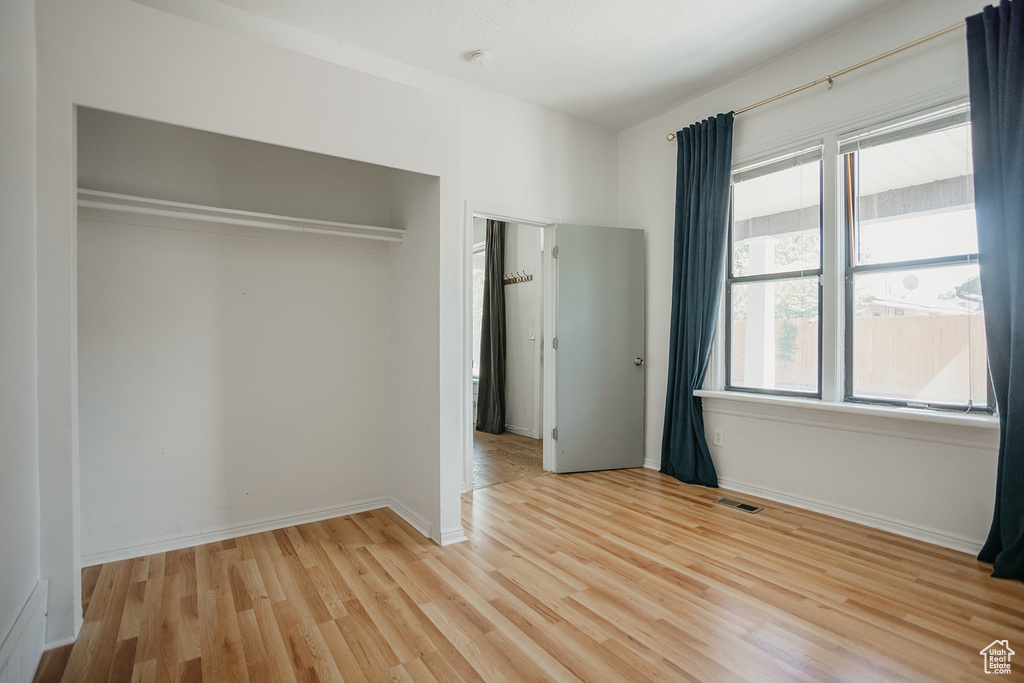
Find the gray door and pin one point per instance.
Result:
(599, 326)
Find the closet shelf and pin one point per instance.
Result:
(110, 201)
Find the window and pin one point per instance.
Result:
(886, 273)
(915, 329)
(774, 291)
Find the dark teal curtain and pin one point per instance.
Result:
(703, 168)
(995, 56)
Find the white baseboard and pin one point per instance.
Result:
(919, 532)
(522, 431)
(452, 535)
(462, 487)
(59, 643)
(446, 537)
(653, 465)
(229, 531)
(420, 524)
(24, 645)
(415, 520)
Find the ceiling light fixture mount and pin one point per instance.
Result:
(480, 58)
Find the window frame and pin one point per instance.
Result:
(776, 163)
(847, 179)
(834, 386)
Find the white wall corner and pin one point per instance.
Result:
(453, 535)
(24, 645)
(971, 546)
(414, 520)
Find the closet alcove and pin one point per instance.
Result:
(247, 315)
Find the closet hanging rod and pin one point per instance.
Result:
(832, 77)
(111, 201)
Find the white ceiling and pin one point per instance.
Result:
(611, 62)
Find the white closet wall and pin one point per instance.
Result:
(129, 155)
(413, 437)
(232, 380)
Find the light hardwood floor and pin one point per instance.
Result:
(498, 458)
(606, 576)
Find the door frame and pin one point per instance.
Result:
(475, 209)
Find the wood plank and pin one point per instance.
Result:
(273, 642)
(123, 662)
(145, 671)
(166, 637)
(53, 662)
(90, 575)
(232, 658)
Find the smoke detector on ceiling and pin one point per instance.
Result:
(480, 58)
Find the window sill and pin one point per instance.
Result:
(974, 431)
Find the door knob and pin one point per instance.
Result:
(638, 361)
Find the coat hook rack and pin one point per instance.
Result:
(517, 277)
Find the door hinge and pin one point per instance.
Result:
(554, 251)
(554, 433)
(554, 342)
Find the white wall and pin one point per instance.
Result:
(534, 161)
(522, 316)
(224, 380)
(879, 471)
(19, 488)
(120, 56)
(414, 352)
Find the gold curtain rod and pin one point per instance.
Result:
(831, 77)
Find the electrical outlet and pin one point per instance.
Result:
(717, 441)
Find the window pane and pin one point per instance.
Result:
(919, 335)
(777, 221)
(916, 198)
(775, 335)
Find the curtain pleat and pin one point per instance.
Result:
(995, 52)
(490, 407)
(703, 169)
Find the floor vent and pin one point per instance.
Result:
(738, 505)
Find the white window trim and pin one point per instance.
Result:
(832, 410)
(958, 429)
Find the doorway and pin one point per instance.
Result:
(516, 452)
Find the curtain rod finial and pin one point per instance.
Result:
(670, 137)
